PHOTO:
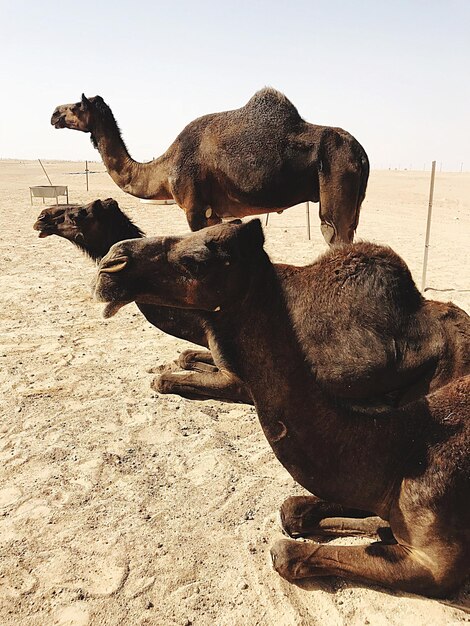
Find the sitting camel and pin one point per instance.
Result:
(94, 228)
(410, 466)
(400, 365)
(260, 158)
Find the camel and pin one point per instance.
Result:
(260, 158)
(409, 466)
(401, 366)
(94, 228)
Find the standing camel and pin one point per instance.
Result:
(424, 345)
(410, 466)
(260, 158)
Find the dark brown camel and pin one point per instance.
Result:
(410, 466)
(260, 158)
(94, 228)
(400, 366)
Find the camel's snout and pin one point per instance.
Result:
(58, 119)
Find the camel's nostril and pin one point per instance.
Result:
(114, 265)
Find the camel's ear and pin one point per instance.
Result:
(85, 102)
(241, 240)
(110, 204)
(252, 232)
(249, 238)
(97, 207)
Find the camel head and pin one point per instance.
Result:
(93, 227)
(207, 270)
(73, 221)
(81, 115)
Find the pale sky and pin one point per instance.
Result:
(394, 74)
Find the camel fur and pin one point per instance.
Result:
(260, 158)
(410, 466)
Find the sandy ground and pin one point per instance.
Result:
(120, 506)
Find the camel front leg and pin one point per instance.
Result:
(202, 385)
(303, 516)
(394, 566)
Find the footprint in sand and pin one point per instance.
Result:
(76, 615)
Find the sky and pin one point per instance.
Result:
(394, 74)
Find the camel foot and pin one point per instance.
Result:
(306, 516)
(197, 360)
(288, 558)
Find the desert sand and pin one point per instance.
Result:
(120, 506)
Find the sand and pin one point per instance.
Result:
(121, 506)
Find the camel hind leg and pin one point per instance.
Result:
(339, 206)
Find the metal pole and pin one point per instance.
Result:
(86, 174)
(428, 226)
(45, 173)
(308, 221)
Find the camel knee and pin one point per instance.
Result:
(197, 361)
(447, 579)
(297, 513)
(186, 358)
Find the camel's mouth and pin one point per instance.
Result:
(58, 120)
(111, 308)
(60, 123)
(44, 229)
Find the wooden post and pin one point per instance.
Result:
(44, 170)
(86, 174)
(428, 226)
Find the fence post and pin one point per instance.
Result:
(428, 226)
(86, 174)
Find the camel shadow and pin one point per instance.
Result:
(332, 584)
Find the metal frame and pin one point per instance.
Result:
(55, 194)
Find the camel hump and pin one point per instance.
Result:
(268, 100)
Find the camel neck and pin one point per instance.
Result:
(319, 443)
(143, 180)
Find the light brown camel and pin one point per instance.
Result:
(410, 466)
(260, 158)
(400, 365)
